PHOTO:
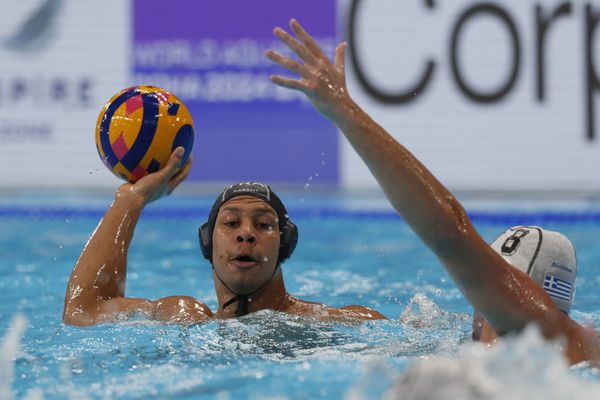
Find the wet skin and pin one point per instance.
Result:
(507, 298)
(246, 245)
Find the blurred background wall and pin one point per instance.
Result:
(491, 95)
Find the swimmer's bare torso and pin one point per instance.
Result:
(245, 225)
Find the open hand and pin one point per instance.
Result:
(321, 81)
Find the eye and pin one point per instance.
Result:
(231, 223)
(264, 225)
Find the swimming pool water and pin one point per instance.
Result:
(352, 250)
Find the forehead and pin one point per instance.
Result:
(247, 204)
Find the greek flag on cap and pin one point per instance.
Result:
(558, 288)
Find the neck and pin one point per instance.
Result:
(272, 296)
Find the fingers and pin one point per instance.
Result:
(339, 61)
(308, 40)
(287, 82)
(286, 62)
(158, 184)
(181, 175)
(173, 162)
(171, 174)
(297, 47)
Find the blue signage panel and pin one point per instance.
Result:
(211, 55)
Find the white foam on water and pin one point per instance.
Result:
(34, 394)
(67, 388)
(9, 348)
(524, 366)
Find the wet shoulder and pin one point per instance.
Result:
(182, 309)
(325, 312)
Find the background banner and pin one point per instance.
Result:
(211, 55)
(61, 61)
(497, 95)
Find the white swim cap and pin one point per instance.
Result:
(548, 257)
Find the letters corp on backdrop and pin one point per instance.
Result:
(490, 94)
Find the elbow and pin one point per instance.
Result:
(79, 321)
(76, 316)
(70, 319)
(453, 231)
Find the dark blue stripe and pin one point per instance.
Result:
(558, 294)
(144, 138)
(184, 138)
(200, 213)
(111, 158)
(173, 108)
(560, 282)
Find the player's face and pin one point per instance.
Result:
(245, 243)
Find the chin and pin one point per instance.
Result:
(243, 283)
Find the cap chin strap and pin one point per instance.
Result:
(242, 299)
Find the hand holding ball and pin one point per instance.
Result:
(139, 128)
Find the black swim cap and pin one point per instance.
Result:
(287, 229)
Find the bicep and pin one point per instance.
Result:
(582, 343)
(510, 299)
(174, 309)
(109, 310)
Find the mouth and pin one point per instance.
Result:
(243, 261)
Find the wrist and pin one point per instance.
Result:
(348, 114)
(126, 194)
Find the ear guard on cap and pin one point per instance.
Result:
(205, 241)
(288, 240)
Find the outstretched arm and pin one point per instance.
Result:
(507, 298)
(96, 289)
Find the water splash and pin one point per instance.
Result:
(422, 312)
(519, 367)
(376, 381)
(8, 353)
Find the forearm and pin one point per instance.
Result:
(424, 203)
(503, 295)
(507, 297)
(100, 271)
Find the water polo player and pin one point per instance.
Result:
(246, 234)
(547, 257)
(247, 237)
(505, 296)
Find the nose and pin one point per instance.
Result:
(246, 236)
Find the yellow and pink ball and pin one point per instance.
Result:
(139, 128)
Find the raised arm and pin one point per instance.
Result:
(506, 297)
(96, 288)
